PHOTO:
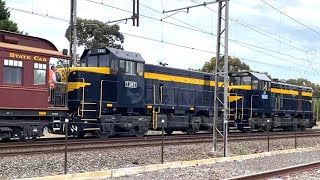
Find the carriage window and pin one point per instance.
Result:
(12, 72)
(140, 69)
(104, 60)
(255, 84)
(246, 80)
(40, 71)
(92, 61)
(122, 66)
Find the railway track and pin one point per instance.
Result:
(61, 142)
(279, 172)
(57, 146)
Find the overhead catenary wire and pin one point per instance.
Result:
(197, 30)
(174, 44)
(210, 33)
(297, 21)
(263, 32)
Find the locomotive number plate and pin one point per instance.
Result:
(130, 84)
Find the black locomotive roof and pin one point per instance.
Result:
(178, 72)
(119, 53)
(287, 85)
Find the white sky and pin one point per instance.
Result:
(301, 47)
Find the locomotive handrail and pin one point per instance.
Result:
(236, 115)
(252, 104)
(161, 94)
(154, 94)
(100, 109)
(242, 104)
(82, 104)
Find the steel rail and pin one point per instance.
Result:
(279, 172)
(101, 145)
(55, 143)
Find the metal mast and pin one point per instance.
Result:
(223, 5)
(73, 32)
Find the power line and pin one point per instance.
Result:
(39, 14)
(170, 43)
(244, 24)
(317, 32)
(263, 32)
(201, 50)
(197, 30)
(155, 40)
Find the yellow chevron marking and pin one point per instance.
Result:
(77, 85)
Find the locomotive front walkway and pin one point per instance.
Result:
(172, 165)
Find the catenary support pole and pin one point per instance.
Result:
(74, 33)
(216, 98)
(70, 27)
(225, 76)
(223, 4)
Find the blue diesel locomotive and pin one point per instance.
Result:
(115, 91)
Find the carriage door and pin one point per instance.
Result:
(207, 96)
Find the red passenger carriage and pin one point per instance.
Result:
(25, 106)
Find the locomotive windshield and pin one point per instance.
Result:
(245, 80)
(102, 60)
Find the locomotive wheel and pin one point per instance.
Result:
(193, 128)
(140, 129)
(81, 134)
(107, 130)
(169, 131)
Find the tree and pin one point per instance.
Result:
(94, 33)
(234, 64)
(5, 22)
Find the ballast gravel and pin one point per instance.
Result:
(234, 168)
(53, 164)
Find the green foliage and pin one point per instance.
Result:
(39, 76)
(5, 22)
(317, 109)
(94, 33)
(234, 64)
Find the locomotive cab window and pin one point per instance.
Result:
(235, 81)
(246, 80)
(93, 61)
(131, 67)
(96, 61)
(39, 75)
(12, 72)
(104, 60)
(265, 86)
(255, 84)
